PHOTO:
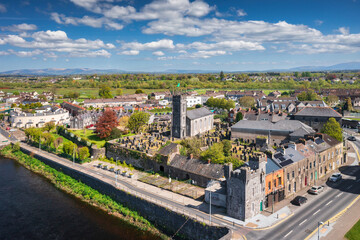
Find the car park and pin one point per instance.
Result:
(299, 200)
(316, 189)
(351, 138)
(335, 177)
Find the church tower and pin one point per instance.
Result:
(178, 124)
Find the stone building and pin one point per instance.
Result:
(86, 119)
(73, 109)
(276, 133)
(189, 123)
(246, 188)
(316, 117)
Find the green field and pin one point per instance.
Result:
(90, 136)
(354, 232)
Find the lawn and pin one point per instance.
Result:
(90, 136)
(354, 232)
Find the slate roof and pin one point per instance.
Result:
(318, 112)
(172, 147)
(289, 156)
(271, 166)
(282, 125)
(214, 171)
(198, 113)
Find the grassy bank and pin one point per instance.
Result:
(354, 232)
(82, 191)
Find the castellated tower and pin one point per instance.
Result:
(178, 124)
(246, 188)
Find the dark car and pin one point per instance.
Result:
(299, 200)
(351, 138)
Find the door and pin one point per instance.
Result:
(305, 181)
(315, 175)
(261, 206)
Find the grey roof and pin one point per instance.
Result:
(318, 112)
(172, 147)
(301, 132)
(289, 156)
(271, 166)
(214, 171)
(282, 125)
(198, 113)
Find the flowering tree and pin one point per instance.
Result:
(106, 123)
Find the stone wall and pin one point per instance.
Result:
(164, 219)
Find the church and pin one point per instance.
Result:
(189, 123)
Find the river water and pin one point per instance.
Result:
(32, 208)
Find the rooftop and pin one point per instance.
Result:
(198, 113)
(282, 125)
(318, 112)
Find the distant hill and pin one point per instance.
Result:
(74, 71)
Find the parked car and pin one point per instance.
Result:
(316, 189)
(351, 138)
(299, 200)
(335, 177)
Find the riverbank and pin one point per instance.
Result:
(82, 191)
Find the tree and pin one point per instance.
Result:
(247, 101)
(49, 126)
(83, 153)
(348, 105)
(69, 148)
(48, 139)
(107, 121)
(308, 95)
(215, 154)
(239, 116)
(227, 146)
(137, 121)
(333, 129)
(139, 91)
(105, 91)
(57, 142)
(222, 76)
(332, 99)
(192, 146)
(115, 133)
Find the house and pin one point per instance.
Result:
(276, 133)
(73, 109)
(316, 117)
(159, 95)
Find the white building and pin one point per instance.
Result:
(191, 101)
(21, 119)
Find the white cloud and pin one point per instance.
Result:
(25, 53)
(199, 9)
(4, 53)
(2, 8)
(130, 52)
(158, 53)
(20, 27)
(241, 13)
(155, 45)
(318, 22)
(86, 20)
(344, 30)
(98, 53)
(229, 45)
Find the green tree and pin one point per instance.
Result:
(239, 116)
(227, 146)
(247, 102)
(69, 148)
(139, 91)
(192, 146)
(137, 121)
(119, 92)
(308, 95)
(222, 76)
(348, 105)
(48, 139)
(84, 153)
(332, 99)
(49, 126)
(215, 154)
(333, 129)
(105, 91)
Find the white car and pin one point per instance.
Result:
(335, 177)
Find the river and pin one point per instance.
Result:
(32, 208)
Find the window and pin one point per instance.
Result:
(299, 170)
(311, 176)
(289, 187)
(324, 158)
(314, 164)
(294, 186)
(321, 170)
(310, 165)
(279, 181)
(274, 183)
(269, 185)
(288, 176)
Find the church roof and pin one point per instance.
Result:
(198, 113)
(318, 112)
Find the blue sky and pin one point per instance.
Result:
(178, 34)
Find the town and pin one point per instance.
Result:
(247, 157)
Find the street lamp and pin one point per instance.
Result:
(319, 224)
(116, 172)
(210, 207)
(74, 156)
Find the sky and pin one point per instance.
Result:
(158, 35)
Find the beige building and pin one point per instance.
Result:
(21, 119)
